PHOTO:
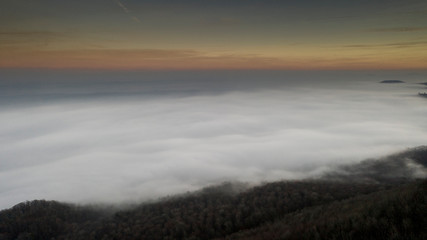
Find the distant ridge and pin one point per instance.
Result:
(392, 81)
(403, 166)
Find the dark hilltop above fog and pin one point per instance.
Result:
(392, 81)
(421, 94)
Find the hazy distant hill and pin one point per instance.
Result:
(375, 199)
(392, 81)
(395, 168)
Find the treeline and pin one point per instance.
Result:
(399, 213)
(217, 213)
(42, 220)
(294, 209)
(393, 169)
(331, 208)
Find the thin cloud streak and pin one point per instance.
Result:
(141, 59)
(398, 29)
(127, 11)
(122, 6)
(25, 39)
(388, 45)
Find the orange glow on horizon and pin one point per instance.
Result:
(188, 59)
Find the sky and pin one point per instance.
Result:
(213, 34)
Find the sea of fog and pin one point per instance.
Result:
(112, 137)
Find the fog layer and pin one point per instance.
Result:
(114, 137)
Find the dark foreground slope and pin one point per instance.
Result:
(398, 213)
(376, 199)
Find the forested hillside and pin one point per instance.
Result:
(398, 213)
(376, 199)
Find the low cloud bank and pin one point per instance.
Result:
(126, 141)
